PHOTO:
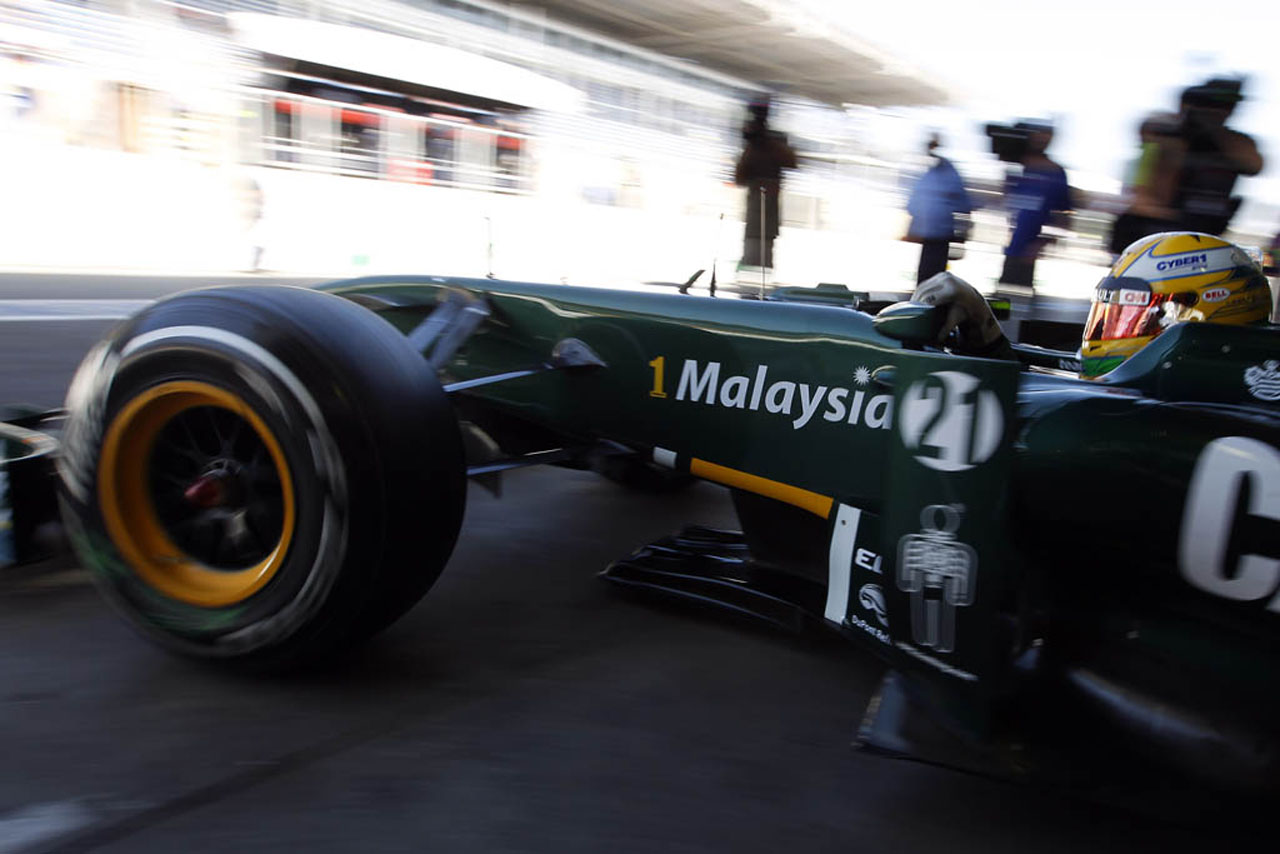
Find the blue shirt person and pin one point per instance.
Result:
(937, 200)
(1039, 195)
(1034, 198)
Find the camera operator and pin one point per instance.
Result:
(1209, 157)
(1187, 168)
(1036, 196)
(765, 154)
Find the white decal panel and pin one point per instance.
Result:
(1210, 513)
(940, 574)
(848, 564)
(840, 559)
(949, 423)
(1263, 381)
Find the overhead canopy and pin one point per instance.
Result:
(759, 40)
(397, 58)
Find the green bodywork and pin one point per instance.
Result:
(1074, 515)
(639, 401)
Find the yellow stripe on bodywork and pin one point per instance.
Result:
(819, 505)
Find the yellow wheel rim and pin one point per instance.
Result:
(150, 511)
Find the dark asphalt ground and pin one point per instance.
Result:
(523, 706)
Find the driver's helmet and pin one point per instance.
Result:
(1166, 279)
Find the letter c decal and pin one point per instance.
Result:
(1207, 516)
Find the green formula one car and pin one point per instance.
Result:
(270, 475)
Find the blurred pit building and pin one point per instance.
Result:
(589, 141)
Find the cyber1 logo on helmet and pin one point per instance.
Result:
(1166, 279)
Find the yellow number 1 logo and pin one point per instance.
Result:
(658, 365)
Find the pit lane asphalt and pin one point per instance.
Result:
(524, 705)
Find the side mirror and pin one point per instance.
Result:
(911, 323)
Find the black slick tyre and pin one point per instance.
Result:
(261, 476)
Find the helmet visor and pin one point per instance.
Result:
(1124, 308)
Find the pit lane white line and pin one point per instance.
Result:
(69, 309)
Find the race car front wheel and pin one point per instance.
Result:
(264, 476)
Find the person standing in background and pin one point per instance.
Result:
(249, 193)
(1035, 198)
(1148, 186)
(939, 207)
(1210, 157)
(1188, 167)
(765, 154)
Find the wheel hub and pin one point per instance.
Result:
(221, 485)
(196, 492)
